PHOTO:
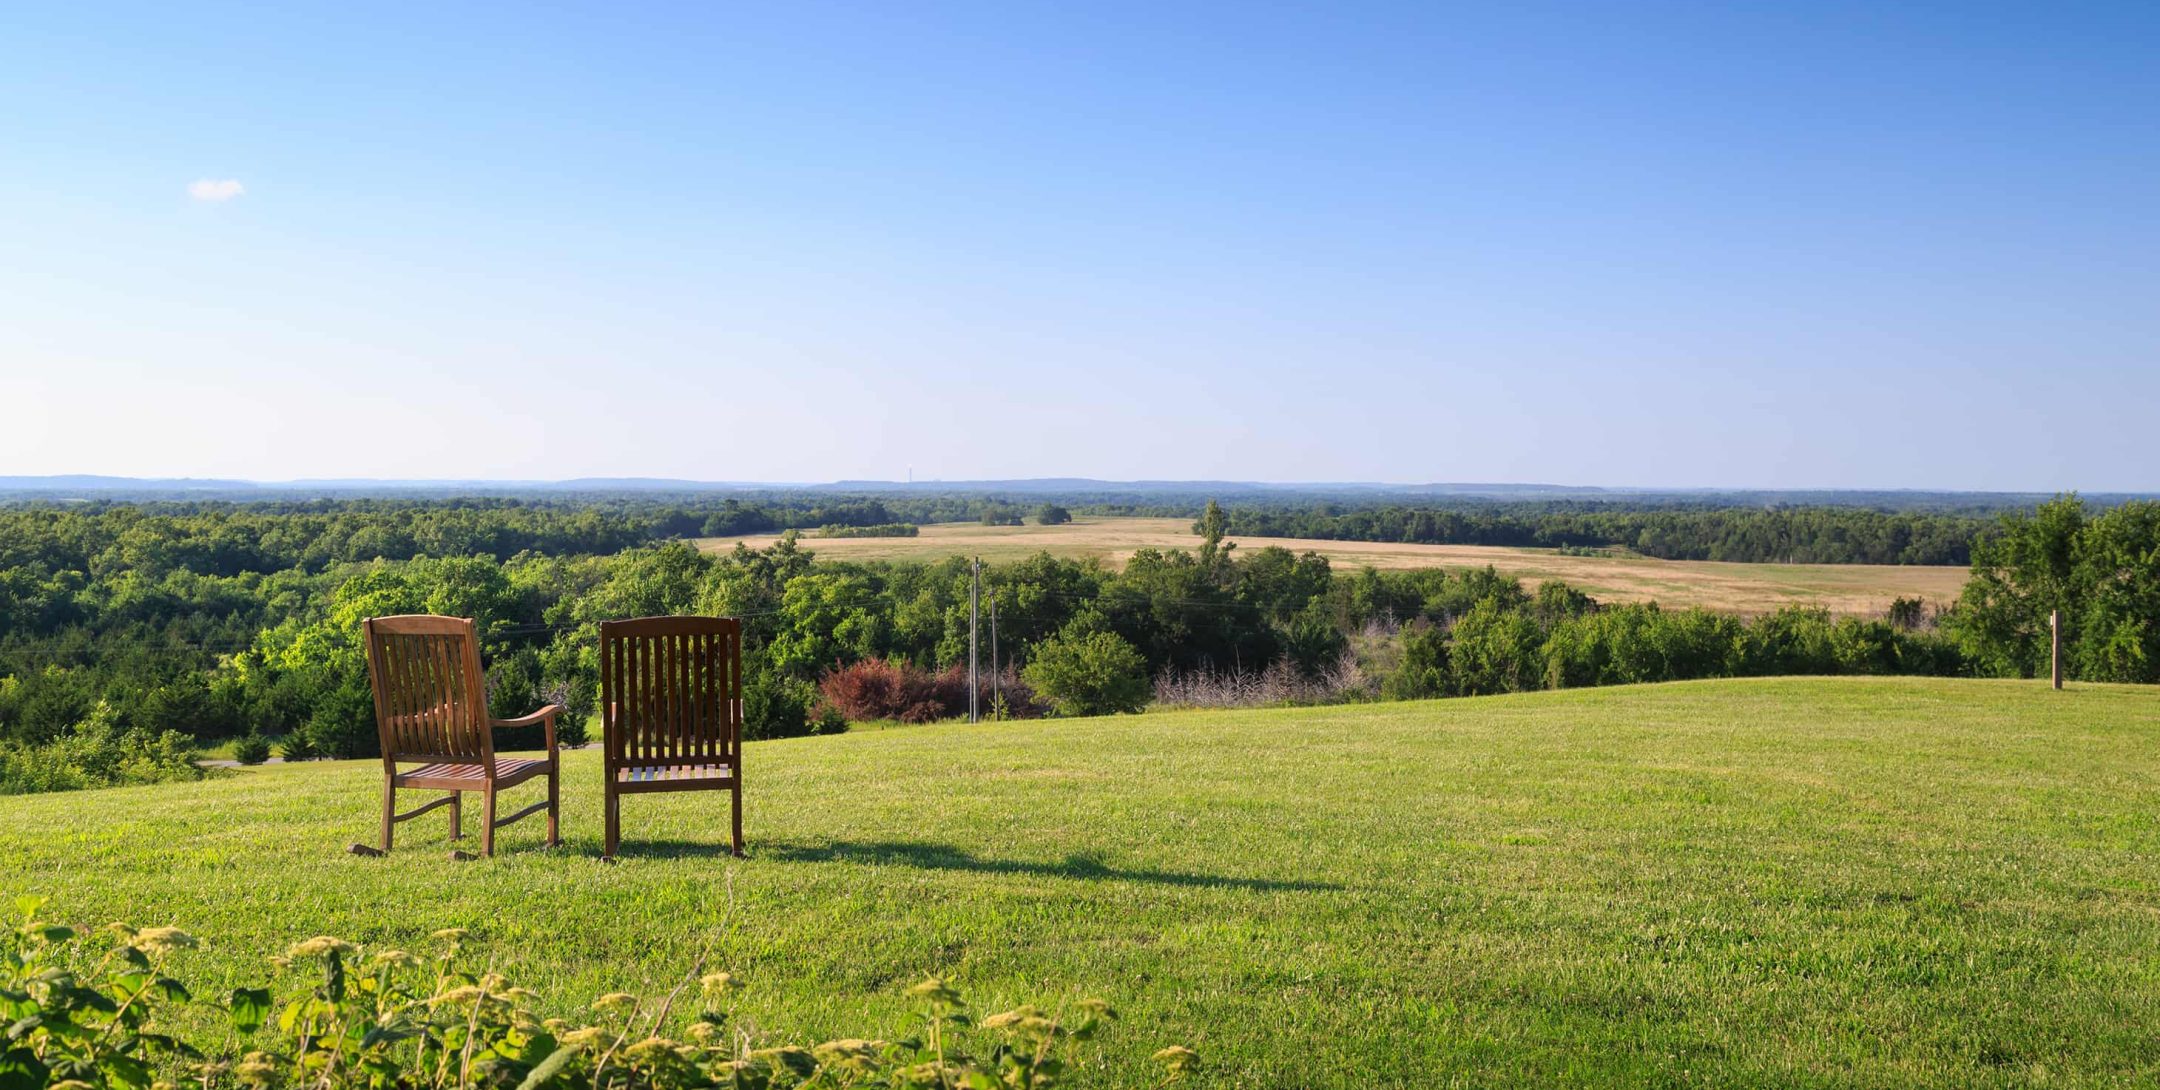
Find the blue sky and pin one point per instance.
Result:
(1912, 245)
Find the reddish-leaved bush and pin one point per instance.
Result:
(872, 689)
(889, 689)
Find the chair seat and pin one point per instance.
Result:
(464, 776)
(675, 772)
(672, 777)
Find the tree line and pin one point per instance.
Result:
(225, 539)
(127, 637)
(1786, 535)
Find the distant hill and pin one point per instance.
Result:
(1073, 489)
(1028, 485)
(85, 482)
(1068, 485)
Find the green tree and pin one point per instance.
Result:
(319, 669)
(1178, 611)
(748, 583)
(1051, 514)
(1495, 650)
(2118, 581)
(1556, 602)
(1092, 674)
(1211, 527)
(828, 618)
(1424, 669)
(2020, 573)
(1312, 642)
(1280, 583)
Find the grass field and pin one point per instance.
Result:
(1804, 882)
(1741, 588)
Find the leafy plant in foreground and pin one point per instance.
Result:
(83, 1020)
(341, 1017)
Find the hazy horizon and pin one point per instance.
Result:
(1048, 486)
(1835, 246)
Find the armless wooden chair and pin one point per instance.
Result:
(671, 710)
(431, 710)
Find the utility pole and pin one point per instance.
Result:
(995, 675)
(2055, 646)
(974, 613)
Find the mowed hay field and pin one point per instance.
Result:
(1865, 589)
(1797, 882)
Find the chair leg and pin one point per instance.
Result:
(457, 817)
(554, 805)
(487, 831)
(737, 792)
(389, 810)
(613, 821)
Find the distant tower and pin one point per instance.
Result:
(911, 476)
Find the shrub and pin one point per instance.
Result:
(1094, 674)
(883, 529)
(342, 725)
(251, 749)
(1624, 645)
(517, 685)
(1907, 613)
(874, 689)
(570, 727)
(97, 753)
(1793, 640)
(1313, 644)
(340, 1017)
(1556, 602)
(1008, 696)
(775, 706)
(187, 705)
(297, 746)
(514, 688)
(1495, 650)
(1051, 514)
(824, 719)
(336, 736)
(1282, 683)
(1424, 669)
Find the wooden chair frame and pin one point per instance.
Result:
(671, 710)
(431, 710)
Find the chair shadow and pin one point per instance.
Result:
(928, 856)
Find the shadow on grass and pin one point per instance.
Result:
(948, 857)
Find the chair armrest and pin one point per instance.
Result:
(547, 713)
(545, 717)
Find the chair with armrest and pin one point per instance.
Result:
(431, 711)
(671, 710)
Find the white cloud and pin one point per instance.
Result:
(215, 189)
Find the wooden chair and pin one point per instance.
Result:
(671, 710)
(431, 710)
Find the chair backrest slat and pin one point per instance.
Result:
(430, 696)
(671, 691)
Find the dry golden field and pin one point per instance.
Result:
(1738, 588)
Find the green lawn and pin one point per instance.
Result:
(1794, 882)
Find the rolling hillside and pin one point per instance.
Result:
(1856, 882)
